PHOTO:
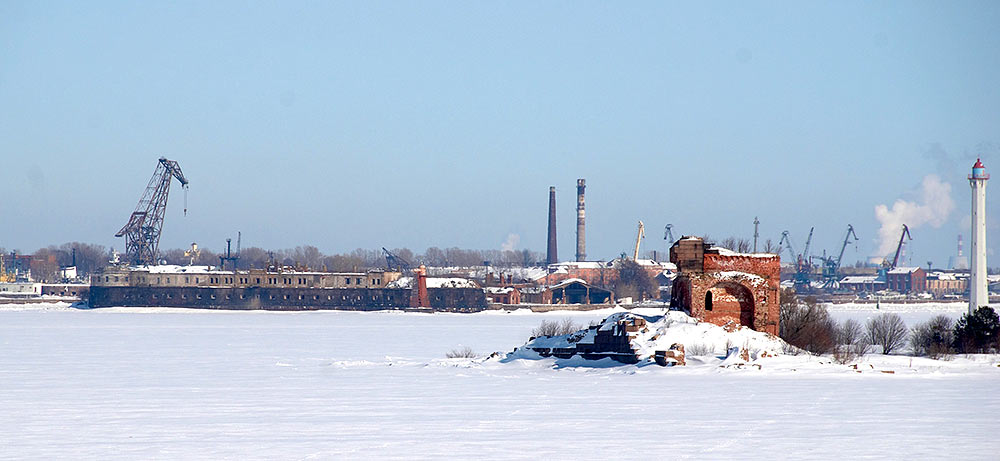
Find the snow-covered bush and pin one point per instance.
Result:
(887, 330)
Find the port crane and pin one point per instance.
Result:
(847, 239)
(142, 231)
(831, 266)
(787, 242)
(394, 262)
(803, 265)
(638, 237)
(899, 247)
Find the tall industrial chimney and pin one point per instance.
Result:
(581, 230)
(550, 250)
(959, 262)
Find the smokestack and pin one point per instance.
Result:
(550, 251)
(581, 237)
(960, 261)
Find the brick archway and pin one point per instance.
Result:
(730, 301)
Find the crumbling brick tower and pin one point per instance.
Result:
(721, 286)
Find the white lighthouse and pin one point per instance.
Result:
(978, 295)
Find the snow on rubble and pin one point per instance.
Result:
(704, 346)
(643, 335)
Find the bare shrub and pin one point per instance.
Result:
(463, 353)
(851, 342)
(933, 338)
(698, 349)
(806, 324)
(555, 328)
(887, 330)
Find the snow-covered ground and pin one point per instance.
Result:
(180, 384)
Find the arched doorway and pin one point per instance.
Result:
(731, 300)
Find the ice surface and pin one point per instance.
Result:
(187, 384)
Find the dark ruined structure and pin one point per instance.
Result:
(614, 339)
(724, 287)
(613, 343)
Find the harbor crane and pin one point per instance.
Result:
(668, 234)
(899, 247)
(831, 266)
(803, 266)
(394, 262)
(638, 237)
(847, 239)
(787, 242)
(142, 231)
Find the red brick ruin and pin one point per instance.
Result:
(723, 287)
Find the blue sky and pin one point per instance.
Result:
(420, 124)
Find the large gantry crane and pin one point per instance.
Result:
(142, 231)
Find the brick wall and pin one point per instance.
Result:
(727, 288)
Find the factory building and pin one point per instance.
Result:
(906, 280)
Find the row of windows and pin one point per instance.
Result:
(246, 280)
(300, 297)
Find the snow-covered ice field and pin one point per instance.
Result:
(186, 384)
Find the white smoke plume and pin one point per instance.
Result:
(933, 208)
(513, 240)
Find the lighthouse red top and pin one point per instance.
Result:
(979, 171)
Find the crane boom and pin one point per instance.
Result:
(805, 254)
(395, 262)
(847, 239)
(899, 247)
(638, 237)
(142, 231)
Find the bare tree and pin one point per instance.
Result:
(887, 330)
(851, 341)
(770, 247)
(806, 324)
(634, 281)
(728, 242)
(743, 245)
(933, 338)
